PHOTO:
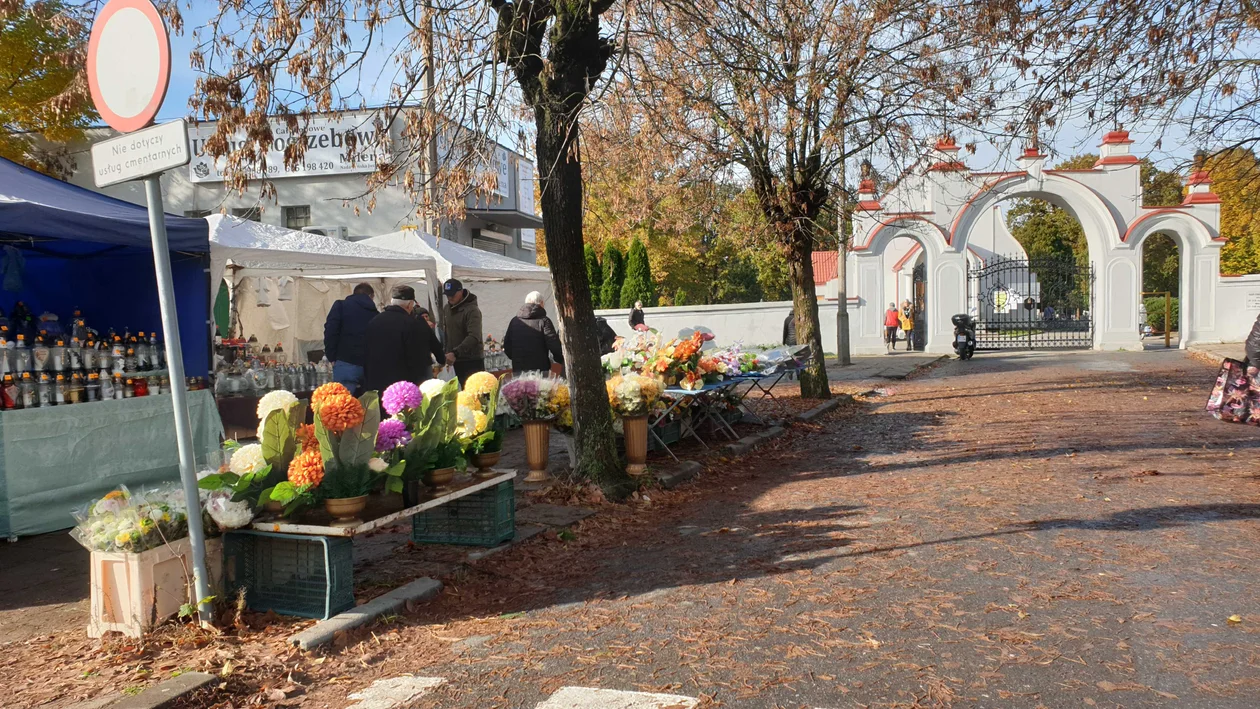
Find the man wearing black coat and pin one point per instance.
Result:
(531, 337)
(343, 336)
(400, 347)
(1252, 346)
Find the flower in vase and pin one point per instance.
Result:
(248, 459)
(481, 384)
(321, 395)
(278, 400)
(307, 469)
(432, 387)
(560, 395)
(390, 434)
(401, 396)
(468, 400)
(341, 412)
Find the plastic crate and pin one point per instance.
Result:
(483, 519)
(291, 574)
(669, 433)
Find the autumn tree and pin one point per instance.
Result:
(44, 102)
(1236, 180)
(787, 92)
(461, 71)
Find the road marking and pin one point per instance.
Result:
(586, 698)
(394, 692)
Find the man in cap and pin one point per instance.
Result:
(399, 347)
(461, 317)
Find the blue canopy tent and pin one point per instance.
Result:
(64, 247)
(84, 249)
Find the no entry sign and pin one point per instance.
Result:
(129, 63)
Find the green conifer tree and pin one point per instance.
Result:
(638, 285)
(594, 276)
(614, 273)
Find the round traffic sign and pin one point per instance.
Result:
(129, 63)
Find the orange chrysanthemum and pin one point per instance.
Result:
(306, 437)
(341, 412)
(307, 469)
(321, 395)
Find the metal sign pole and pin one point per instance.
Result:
(179, 391)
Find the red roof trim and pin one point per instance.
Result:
(1067, 170)
(1032, 153)
(947, 145)
(953, 228)
(1201, 198)
(1199, 177)
(1155, 212)
(869, 205)
(826, 267)
(951, 166)
(1170, 206)
(889, 220)
(902, 261)
(1117, 137)
(1117, 160)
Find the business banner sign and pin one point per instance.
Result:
(334, 146)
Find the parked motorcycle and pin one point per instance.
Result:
(964, 335)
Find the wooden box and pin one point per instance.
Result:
(132, 593)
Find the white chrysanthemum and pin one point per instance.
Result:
(228, 514)
(432, 388)
(272, 401)
(378, 465)
(248, 459)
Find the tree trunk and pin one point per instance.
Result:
(805, 304)
(561, 176)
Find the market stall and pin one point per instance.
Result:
(68, 250)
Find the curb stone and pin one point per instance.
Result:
(685, 471)
(823, 408)
(163, 694)
(322, 632)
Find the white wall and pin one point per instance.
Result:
(1237, 305)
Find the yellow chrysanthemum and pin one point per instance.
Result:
(481, 384)
(560, 395)
(468, 400)
(482, 421)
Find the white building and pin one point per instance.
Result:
(325, 193)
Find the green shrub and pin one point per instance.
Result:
(1155, 313)
(614, 264)
(638, 285)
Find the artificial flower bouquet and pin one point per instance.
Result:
(423, 418)
(132, 522)
(535, 397)
(338, 456)
(632, 395)
(676, 361)
(477, 404)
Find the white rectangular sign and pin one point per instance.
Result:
(145, 152)
(327, 148)
(1253, 300)
(525, 192)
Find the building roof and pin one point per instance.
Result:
(825, 268)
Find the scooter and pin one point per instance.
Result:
(964, 335)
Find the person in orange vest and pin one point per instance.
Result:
(892, 321)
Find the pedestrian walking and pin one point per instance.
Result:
(1252, 345)
(789, 330)
(400, 346)
(892, 322)
(344, 328)
(464, 342)
(532, 342)
(907, 323)
(636, 316)
(607, 336)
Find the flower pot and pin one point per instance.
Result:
(484, 463)
(345, 510)
(412, 492)
(636, 435)
(537, 446)
(438, 479)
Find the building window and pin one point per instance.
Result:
(253, 214)
(196, 213)
(493, 247)
(297, 216)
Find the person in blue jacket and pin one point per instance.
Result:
(344, 332)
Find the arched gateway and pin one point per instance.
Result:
(971, 264)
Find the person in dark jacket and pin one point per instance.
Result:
(1253, 344)
(636, 316)
(464, 342)
(607, 336)
(344, 328)
(789, 330)
(400, 347)
(531, 337)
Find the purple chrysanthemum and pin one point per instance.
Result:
(391, 434)
(399, 396)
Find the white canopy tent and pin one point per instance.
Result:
(500, 283)
(278, 278)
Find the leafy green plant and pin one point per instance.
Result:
(432, 424)
(293, 497)
(447, 454)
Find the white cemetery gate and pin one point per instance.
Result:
(967, 262)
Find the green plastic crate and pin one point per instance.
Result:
(485, 519)
(669, 433)
(291, 574)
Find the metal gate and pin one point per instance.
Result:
(919, 334)
(1037, 303)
